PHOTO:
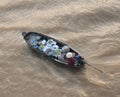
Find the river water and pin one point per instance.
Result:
(92, 27)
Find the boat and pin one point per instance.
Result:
(52, 48)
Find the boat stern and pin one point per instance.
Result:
(80, 62)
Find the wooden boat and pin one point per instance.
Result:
(39, 41)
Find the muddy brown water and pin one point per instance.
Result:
(92, 27)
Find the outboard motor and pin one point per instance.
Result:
(80, 60)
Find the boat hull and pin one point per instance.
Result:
(28, 38)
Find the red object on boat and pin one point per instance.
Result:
(71, 61)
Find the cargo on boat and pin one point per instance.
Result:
(53, 48)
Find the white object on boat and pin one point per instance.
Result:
(69, 55)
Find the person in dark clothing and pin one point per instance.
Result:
(71, 59)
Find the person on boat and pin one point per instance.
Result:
(64, 51)
(71, 58)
